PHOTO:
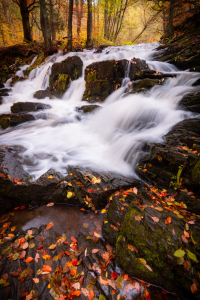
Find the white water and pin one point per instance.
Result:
(112, 138)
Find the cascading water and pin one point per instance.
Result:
(111, 139)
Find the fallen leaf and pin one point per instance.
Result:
(149, 268)
(25, 245)
(193, 288)
(73, 272)
(159, 158)
(95, 250)
(76, 293)
(36, 280)
(135, 190)
(102, 281)
(179, 253)
(184, 239)
(36, 257)
(186, 234)
(168, 220)
(192, 256)
(29, 259)
(47, 268)
(50, 177)
(138, 218)
(155, 219)
(103, 211)
(49, 225)
(114, 275)
(69, 194)
(95, 180)
(50, 204)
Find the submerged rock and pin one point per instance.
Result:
(63, 73)
(28, 106)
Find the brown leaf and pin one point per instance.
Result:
(95, 250)
(36, 280)
(36, 257)
(50, 204)
(193, 288)
(138, 218)
(155, 219)
(104, 282)
(184, 239)
(168, 220)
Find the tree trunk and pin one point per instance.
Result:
(45, 27)
(89, 24)
(25, 20)
(106, 21)
(80, 14)
(53, 30)
(164, 21)
(171, 17)
(77, 16)
(69, 43)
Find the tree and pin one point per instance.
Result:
(171, 18)
(45, 26)
(89, 23)
(69, 43)
(53, 30)
(25, 9)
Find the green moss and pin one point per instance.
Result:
(62, 81)
(91, 77)
(39, 60)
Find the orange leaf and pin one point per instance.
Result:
(49, 225)
(76, 293)
(47, 268)
(168, 220)
(73, 272)
(104, 282)
(193, 288)
(29, 259)
(186, 234)
(91, 294)
(147, 296)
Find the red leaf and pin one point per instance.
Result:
(74, 262)
(114, 275)
(76, 293)
(22, 207)
(193, 288)
(73, 239)
(66, 252)
(74, 247)
(15, 274)
(40, 247)
(15, 180)
(91, 294)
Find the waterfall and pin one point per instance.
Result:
(110, 139)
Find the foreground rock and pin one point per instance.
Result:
(87, 108)
(20, 107)
(63, 73)
(81, 187)
(41, 94)
(55, 261)
(147, 227)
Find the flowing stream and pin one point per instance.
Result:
(110, 139)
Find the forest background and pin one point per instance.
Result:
(81, 23)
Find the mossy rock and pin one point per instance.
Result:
(15, 79)
(39, 60)
(11, 120)
(196, 173)
(63, 73)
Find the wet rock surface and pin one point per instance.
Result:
(11, 120)
(87, 108)
(67, 258)
(63, 73)
(191, 102)
(20, 107)
(41, 94)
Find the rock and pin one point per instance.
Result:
(28, 106)
(63, 73)
(145, 247)
(41, 94)
(175, 163)
(15, 79)
(194, 69)
(196, 82)
(1, 85)
(87, 108)
(11, 120)
(191, 102)
(144, 85)
(102, 78)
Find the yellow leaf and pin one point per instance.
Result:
(103, 211)
(95, 180)
(69, 194)
(50, 177)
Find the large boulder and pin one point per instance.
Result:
(41, 94)
(20, 107)
(63, 73)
